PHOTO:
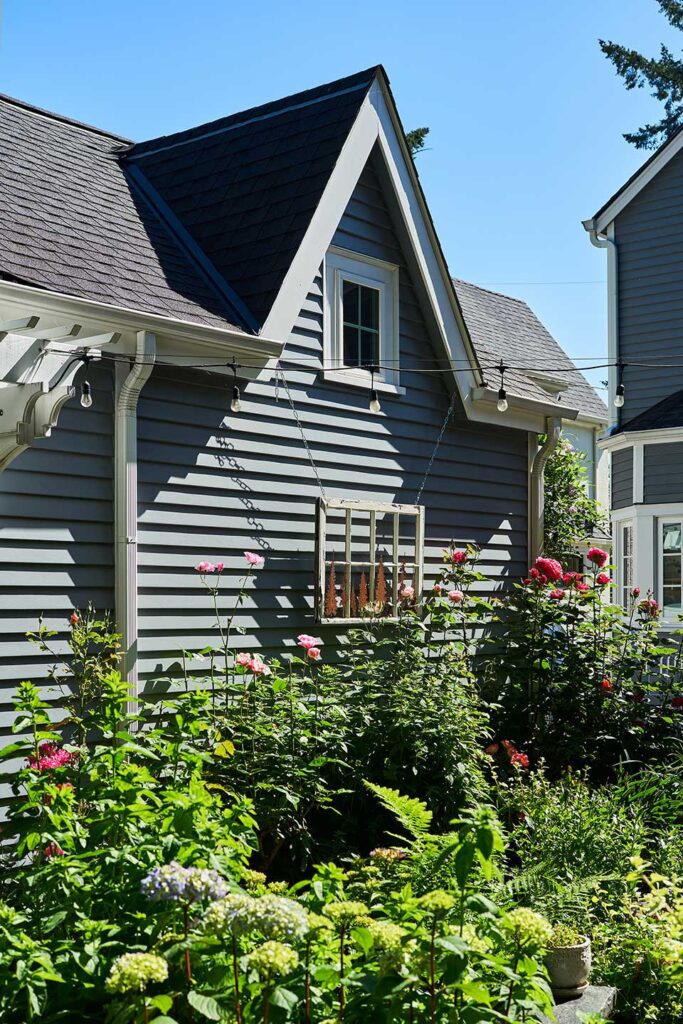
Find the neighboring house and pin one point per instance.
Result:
(293, 239)
(641, 227)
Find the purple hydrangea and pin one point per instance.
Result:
(186, 885)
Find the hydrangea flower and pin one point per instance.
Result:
(132, 972)
(388, 853)
(342, 913)
(277, 917)
(232, 914)
(253, 880)
(437, 902)
(527, 927)
(273, 958)
(387, 940)
(187, 885)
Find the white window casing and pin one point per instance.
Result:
(340, 266)
(669, 566)
(625, 563)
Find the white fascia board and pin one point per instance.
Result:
(638, 438)
(180, 333)
(649, 171)
(522, 414)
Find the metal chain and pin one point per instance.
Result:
(299, 424)
(449, 413)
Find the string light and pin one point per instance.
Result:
(236, 402)
(374, 397)
(619, 396)
(502, 404)
(86, 391)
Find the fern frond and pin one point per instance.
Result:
(412, 814)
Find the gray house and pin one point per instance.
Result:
(641, 227)
(244, 337)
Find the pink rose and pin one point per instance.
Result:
(258, 667)
(53, 850)
(206, 567)
(597, 555)
(314, 653)
(602, 579)
(306, 641)
(459, 557)
(556, 595)
(635, 592)
(456, 596)
(437, 588)
(219, 566)
(74, 619)
(253, 559)
(550, 568)
(243, 659)
(407, 592)
(582, 587)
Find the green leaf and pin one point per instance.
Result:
(163, 1003)
(284, 998)
(226, 748)
(205, 1005)
(412, 814)
(364, 939)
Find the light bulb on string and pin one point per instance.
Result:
(619, 396)
(86, 390)
(502, 403)
(236, 401)
(374, 404)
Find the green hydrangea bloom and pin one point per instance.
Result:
(132, 972)
(528, 928)
(273, 958)
(233, 914)
(318, 923)
(254, 881)
(279, 918)
(342, 913)
(437, 902)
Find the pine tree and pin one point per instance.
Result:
(662, 74)
(416, 140)
(331, 593)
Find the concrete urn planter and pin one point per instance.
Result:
(569, 968)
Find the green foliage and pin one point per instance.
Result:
(413, 815)
(570, 516)
(416, 140)
(663, 75)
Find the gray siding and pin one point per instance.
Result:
(663, 473)
(56, 538)
(622, 478)
(649, 236)
(213, 484)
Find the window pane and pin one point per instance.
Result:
(369, 308)
(350, 300)
(672, 570)
(369, 348)
(627, 539)
(672, 598)
(350, 346)
(671, 537)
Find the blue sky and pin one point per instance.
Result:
(526, 115)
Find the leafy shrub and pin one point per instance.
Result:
(570, 516)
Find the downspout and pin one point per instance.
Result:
(606, 241)
(536, 501)
(129, 384)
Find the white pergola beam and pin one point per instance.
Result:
(60, 333)
(24, 323)
(95, 341)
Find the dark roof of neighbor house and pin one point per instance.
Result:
(667, 413)
(202, 225)
(502, 327)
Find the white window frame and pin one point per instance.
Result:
(349, 506)
(662, 522)
(623, 587)
(342, 265)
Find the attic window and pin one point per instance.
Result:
(369, 559)
(360, 319)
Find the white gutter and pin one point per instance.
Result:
(606, 240)
(129, 384)
(536, 498)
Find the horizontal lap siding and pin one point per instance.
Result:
(56, 539)
(213, 483)
(622, 478)
(663, 473)
(649, 237)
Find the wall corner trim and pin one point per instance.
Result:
(130, 381)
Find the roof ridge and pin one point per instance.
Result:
(261, 112)
(62, 118)
(491, 291)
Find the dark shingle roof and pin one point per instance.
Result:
(667, 413)
(246, 186)
(70, 222)
(502, 327)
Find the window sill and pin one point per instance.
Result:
(355, 379)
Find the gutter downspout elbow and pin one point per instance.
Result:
(129, 384)
(536, 498)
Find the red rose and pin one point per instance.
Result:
(458, 557)
(602, 579)
(598, 556)
(549, 567)
(606, 685)
(556, 595)
(74, 619)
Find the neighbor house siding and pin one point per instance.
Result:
(56, 539)
(213, 484)
(662, 473)
(649, 238)
(622, 478)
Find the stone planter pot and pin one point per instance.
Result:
(569, 968)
